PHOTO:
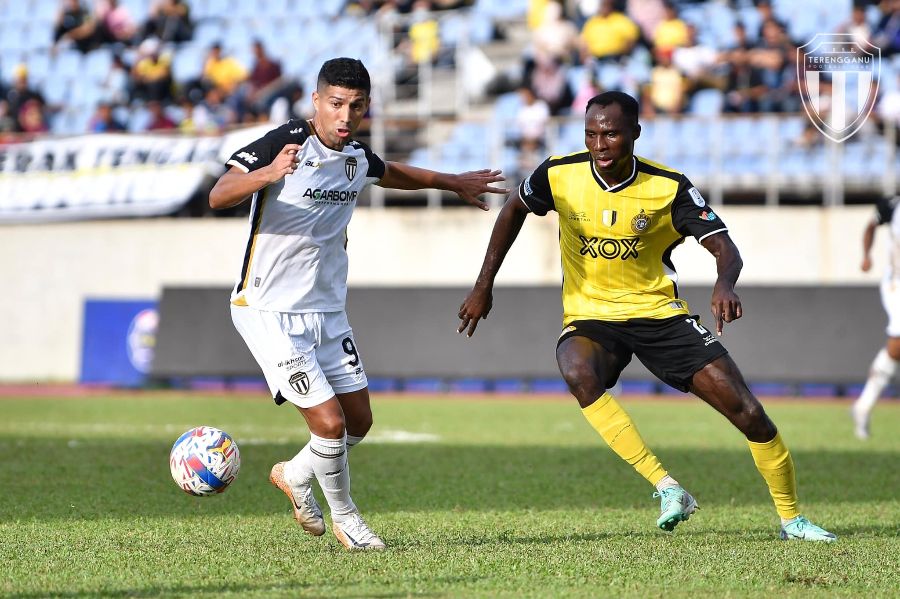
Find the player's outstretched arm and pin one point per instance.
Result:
(480, 300)
(235, 185)
(468, 185)
(725, 304)
(868, 241)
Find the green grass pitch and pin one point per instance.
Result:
(509, 497)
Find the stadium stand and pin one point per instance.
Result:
(721, 77)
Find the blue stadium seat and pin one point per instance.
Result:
(208, 32)
(707, 102)
(188, 62)
(56, 90)
(66, 64)
(502, 9)
(97, 63)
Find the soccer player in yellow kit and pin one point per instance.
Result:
(620, 217)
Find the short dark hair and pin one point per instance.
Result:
(349, 73)
(629, 105)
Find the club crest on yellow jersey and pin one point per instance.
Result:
(640, 223)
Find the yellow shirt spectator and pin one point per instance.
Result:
(225, 73)
(610, 35)
(152, 68)
(670, 34)
(425, 41)
(536, 11)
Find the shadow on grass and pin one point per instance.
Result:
(46, 479)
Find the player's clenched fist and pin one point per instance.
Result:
(285, 163)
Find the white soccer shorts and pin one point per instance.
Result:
(890, 299)
(308, 357)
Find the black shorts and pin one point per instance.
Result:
(673, 349)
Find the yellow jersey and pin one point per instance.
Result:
(616, 241)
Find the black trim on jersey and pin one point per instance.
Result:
(570, 159)
(656, 171)
(667, 260)
(618, 186)
(256, 219)
(377, 167)
(884, 209)
(261, 152)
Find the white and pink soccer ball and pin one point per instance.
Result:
(204, 461)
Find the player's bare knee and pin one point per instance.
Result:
(331, 426)
(359, 424)
(582, 381)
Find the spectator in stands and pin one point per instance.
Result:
(648, 14)
(159, 121)
(672, 32)
(587, 89)
(887, 32)
(291, 103)
(556, 38)
(24, 102)
(424, 34)
(7, 121)
(117, 84)
(264, 81)
(609, 34)
(531, 119)
(152, 73)
(696, 62)
(774, 59)
(668, 89)
(766, 14)
(531, 122)
(224, 73)
(858, 26)
(74, 24)
(744, 86)
(169, 21)
(32, 118)
(115, 23)
(104, 121)
(550, 84)
(214, 114)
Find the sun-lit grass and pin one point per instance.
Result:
(513, 497)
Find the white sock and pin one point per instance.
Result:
(299, 471)
(880, 374)
(666, 482)
(329, 462)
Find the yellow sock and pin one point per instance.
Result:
(617, 429)
(773, 460)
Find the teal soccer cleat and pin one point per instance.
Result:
(676, 505)
(801, 529)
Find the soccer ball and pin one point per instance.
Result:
(204, 461)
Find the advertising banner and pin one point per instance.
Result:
(119, 342)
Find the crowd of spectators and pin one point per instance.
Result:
(647, 48)
(577, 49)
(140, 76)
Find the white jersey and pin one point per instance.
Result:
(296, 257)
(886, 213)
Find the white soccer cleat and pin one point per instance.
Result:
(353, 533)
(307, 512)
(860, 423)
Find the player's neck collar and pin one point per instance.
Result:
(618, 186)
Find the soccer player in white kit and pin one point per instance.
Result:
(884, 366)
(305, 178)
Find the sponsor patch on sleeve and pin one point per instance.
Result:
(697, 197)
(526, 186)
